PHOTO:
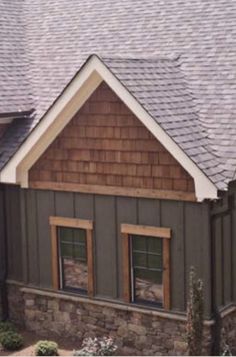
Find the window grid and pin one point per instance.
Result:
(72, 238)
(163, 235)
(139, 271)
(77, 225)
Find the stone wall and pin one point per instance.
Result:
(16, 304)
(136, 331)
(228, 331)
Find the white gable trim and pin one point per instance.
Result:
(71, 100)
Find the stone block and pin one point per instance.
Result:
(67, 306)
(108, 311)
(53, 304)
(29, 302)
(180, 347)
(139, 330)
(122, 330)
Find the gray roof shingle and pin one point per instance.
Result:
(181, 66)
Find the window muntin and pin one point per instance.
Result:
(146, 269)
(73, 259)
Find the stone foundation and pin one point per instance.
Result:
(136, 331)
(228, 329)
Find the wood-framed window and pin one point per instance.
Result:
(146, 264)
(72, 255)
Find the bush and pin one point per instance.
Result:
(7, 326)
(11, 340)
(46, 348)
(195, 315)
(97, 347)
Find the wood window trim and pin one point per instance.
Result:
(158, 232)
(71, 223)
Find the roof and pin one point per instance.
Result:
(181, 66)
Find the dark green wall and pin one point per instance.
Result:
(224, 247)
(29, 237)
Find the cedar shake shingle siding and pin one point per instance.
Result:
(105, 144)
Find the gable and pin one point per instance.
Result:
(105, 144)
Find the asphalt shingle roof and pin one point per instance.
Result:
(181, 66)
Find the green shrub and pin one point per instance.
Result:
(7, 326)
(46, 348)
(11, 340)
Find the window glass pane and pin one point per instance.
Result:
(154, 261)
(147, 269)
(140, 259)
(75, 274)
(66, 250)
(66, 234)
(154, 245)
(148, 286)
(73, 259)
(139, 243)
(80, 252)
(80, 235)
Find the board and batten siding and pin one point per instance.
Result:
(28, 212)
(223, 222)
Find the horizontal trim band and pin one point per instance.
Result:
(115, 191)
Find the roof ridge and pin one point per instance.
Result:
(139, 58)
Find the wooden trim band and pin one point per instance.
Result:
(71, 222)
(115, 191)
(150, 231)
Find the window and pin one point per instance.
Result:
(72, 255)
(146, 265)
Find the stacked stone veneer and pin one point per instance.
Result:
(136, 331)
(229, 330)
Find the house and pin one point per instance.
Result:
(117, 168)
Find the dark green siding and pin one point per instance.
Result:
(13, 224)
(2, 235)
(173, 216)
(29, 236)
(126, 212)
(105, 246)
(224, 248)
(45, 209)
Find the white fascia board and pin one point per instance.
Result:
(75, 95)
(87, 80)
(204, 188)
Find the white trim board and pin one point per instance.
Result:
(66, 106)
